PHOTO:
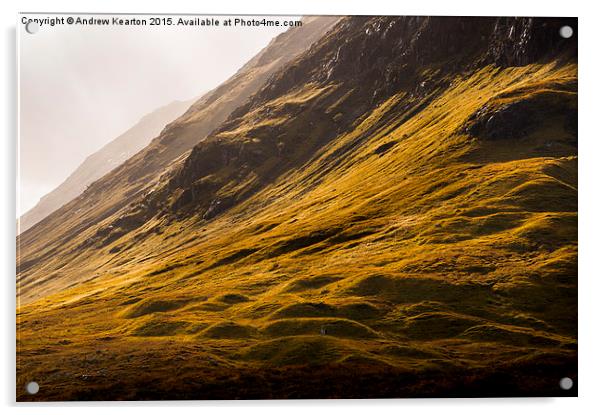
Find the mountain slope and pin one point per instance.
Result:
(113, 193)
(103, 161)
(395, 202)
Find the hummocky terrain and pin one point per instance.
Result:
(103, 161)
(392, 212)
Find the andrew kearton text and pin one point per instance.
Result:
(160, 21)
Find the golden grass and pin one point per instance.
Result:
(421, 248)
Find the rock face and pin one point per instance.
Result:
(398, 200)
(519, 41)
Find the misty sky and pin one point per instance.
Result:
(81, 87)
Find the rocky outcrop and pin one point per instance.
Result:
(517, 115)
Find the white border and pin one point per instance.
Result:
(590, 231)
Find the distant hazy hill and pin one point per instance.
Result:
(103, 161)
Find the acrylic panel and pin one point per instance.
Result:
(279, 207)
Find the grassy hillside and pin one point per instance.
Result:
(53, 240)
(427, 244)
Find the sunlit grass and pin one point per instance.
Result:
(409, 243)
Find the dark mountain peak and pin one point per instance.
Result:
(518, 41)
(386, 53)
